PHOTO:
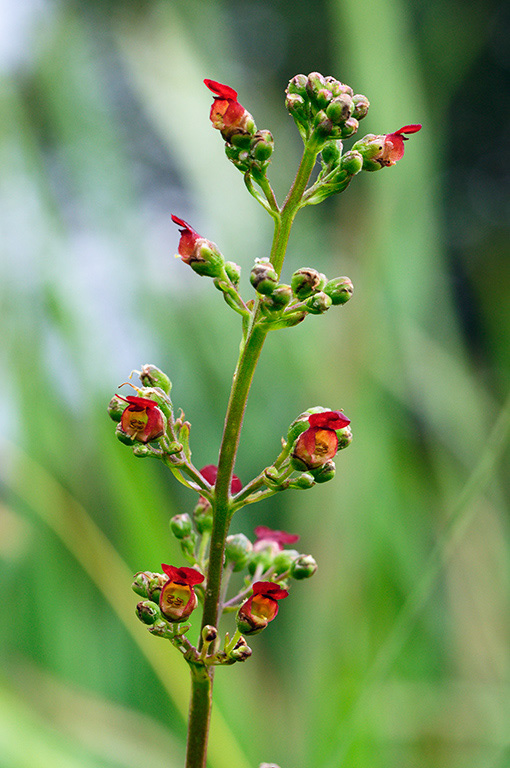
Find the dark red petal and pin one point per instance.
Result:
(413, 128)
(171, 571)
(210, 473)
(185, 228)
(224, 91)
(190, 575)
(281, 537)
(141, 402)
(269, 589)
(329, 420)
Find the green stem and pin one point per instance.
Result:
(201, 695)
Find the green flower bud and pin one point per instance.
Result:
(331, 153)
(116, 408)
(202, 515)
(340, 109)
(181, 526)
(233, 271)
(150, 376)
(315, 83)
(263, 277)
(336, 87)
(303, 567)
(349, 128)
(298, 85)
(324, 473)
(263, 557)
(303, 482)
(140, 583)
(262, 146)
(241, 652)
(323, 98)
(283, 560)
(148, 612)
(209, 633)
(351, 162)
(318, 303)
(238, 549)
(361, 106)
(344, 437)
(306, 281)
(279, 299)
(339, 290)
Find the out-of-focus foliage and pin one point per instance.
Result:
(396, 653)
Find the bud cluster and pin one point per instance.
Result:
(324, 108)
(309, 292)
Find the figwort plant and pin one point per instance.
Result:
(325, 111)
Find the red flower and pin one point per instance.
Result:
(319, 443)
(188, 241)
(210, 472)
(266, 535)
(393, 147)
(227, 115)
(178, 599)
(201, 254)
(142, 420)
(262, 607)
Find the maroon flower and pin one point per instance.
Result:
(210, 473)
(262, 607)
(393, 146)
(178, 598)
(201, 254)
(227, 115)
(319, 443)
(188, 241)
(266, 536)
(142, 420)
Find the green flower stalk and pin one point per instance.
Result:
(327, 112)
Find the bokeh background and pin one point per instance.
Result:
(396, 652)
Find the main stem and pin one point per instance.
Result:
(201, 690)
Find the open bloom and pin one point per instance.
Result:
(142, 420)
(393, 145)
(210, 473)
(267, 536)
(178, 598)
(262, 607)
(319, 443)
(227, 115)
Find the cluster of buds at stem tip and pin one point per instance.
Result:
(315, 437)
(324, 108)
(247, 148)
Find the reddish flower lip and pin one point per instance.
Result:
(329, 420)
(221, 91)
(182, 575)
(210, 473)
(263, 533)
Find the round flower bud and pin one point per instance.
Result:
(263, 277)
(181, 526)
(361, 105)
(349, 128)
(303, 567)
(318, 303)
(298, 85)
(332, 152)
(340, 109)
(150, 376)
(306, 281)
(209, 633)
(262, 146)
(202, 515)
(284, 560)
(323, 98)
(344, 437)
(116, 408)
(315, 83)
(241, 652)
(324, 473)
(339, 290)
(140, 583)
(233, 271)
(351, 162)
(279, 298)
(238, 549)
(303, 482)
(148, 612)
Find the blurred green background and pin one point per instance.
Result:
(396, 653)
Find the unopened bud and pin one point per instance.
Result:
(351, 162)
(262, 146)
(349, 128)
(181, 526)
(315, 83)
(116, 408)
(202, 515)
(279, 298)
(318, 303)
(340, 109)
(140, 583)
(302, 482)
(303, 567)
(324, 473)
(344, 437)
(361, 106)
(209, 633)
(298, 85)
(284, 560)
(263, 277)
(238, 549)
(339, 290)
(150, 376)
(148, 612)
(332, 152)
(233, 271)
(241, 653)
(306, 281)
